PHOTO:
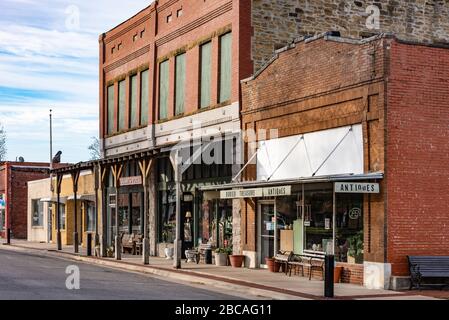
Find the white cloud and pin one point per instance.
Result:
(58, 66)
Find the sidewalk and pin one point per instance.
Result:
(258, 282)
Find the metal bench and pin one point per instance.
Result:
(429, 268)
(283, 257)
(313, 260)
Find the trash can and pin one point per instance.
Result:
(208, 256)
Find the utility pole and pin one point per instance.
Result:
(51, 178)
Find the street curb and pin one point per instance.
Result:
(187, 276)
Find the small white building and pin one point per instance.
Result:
(39, 211)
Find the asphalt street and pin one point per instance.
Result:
(29, 277)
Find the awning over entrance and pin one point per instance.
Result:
(84, 197)
(62, 200)
(330, 178)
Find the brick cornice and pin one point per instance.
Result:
(195, 24)
(127, 29)
(127, 59)
(166, 5)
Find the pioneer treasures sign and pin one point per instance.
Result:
(352, 187)
(257, 192)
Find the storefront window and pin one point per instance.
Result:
(2, 219)
(37, 219)
(167, 215)
(349, 231)
(318, 212)
(62, 216)
(123, 213)
(90, 207)
(215, 224)
(135, 215)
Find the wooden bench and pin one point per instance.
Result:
(128, 243)
(429, 268)
(283, 257)
(311, 259)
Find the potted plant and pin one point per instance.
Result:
(110, 252)
(272, 264)
(338, 270)
(221, 256)
(355, 251)
(236, 260)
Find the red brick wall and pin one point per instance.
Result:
(315, 86)
(352, 273)
(18, 193)
(200, 21)
(417, 166)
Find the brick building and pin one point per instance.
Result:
(14, 177)
(171, 75)
(360, 113)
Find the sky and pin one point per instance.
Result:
(49, 60)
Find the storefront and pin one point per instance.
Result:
(204, 219)
(321, 214)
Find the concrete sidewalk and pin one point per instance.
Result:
(258, 282)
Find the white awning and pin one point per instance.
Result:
(54, 200)
(85, 197)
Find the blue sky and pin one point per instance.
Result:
(49, 59)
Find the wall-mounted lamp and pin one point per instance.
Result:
(188, 214)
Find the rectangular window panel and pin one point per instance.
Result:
(133, 120)
(180, 83)
(121, 105)
(110, 108)
(144, 97)
(38, 213)
(163, 90)
(205, 74)
(225, 67)
(90, 216)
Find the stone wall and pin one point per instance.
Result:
(275, 23)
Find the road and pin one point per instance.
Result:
(30, 277)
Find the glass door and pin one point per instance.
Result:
(267, 225)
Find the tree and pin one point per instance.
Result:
(94, 149)
(2, 144)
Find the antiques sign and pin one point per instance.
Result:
(352, 187)
(254, 193)
(131, 181)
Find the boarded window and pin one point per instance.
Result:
(163, 90)
(110, 123)
(205, 74)
(144, 97)
(121, 105)
(180, 83)
(225, 67)
(133, 119)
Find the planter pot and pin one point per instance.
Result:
(272, 265)
(221, 259)
(337, 274)
(190, 255)
(169, 253)
(351, 259)
(236, 260)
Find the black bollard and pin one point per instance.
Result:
(89, 244)
(329, 276)
(8, 236)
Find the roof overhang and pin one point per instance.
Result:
(318, 179)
